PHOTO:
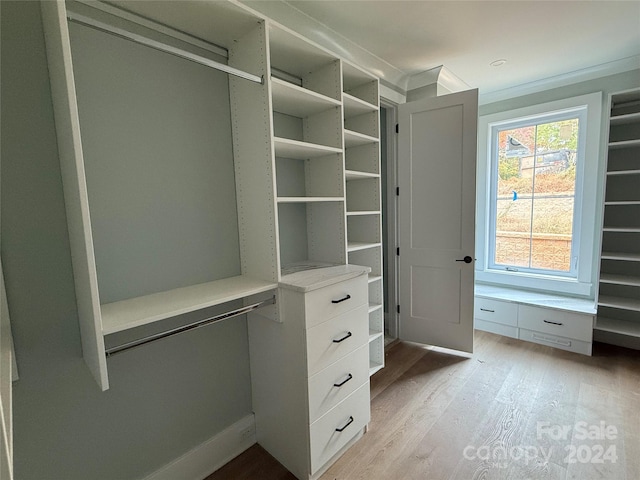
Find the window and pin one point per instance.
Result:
(533, 198)
(538, 179)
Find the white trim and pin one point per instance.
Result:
(441, 76)
(570, 78)
(206, 458)
(590, 185)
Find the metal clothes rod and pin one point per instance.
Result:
(185, 328)
(134, 37)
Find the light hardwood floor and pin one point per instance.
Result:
(439, 416)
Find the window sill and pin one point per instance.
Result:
(540, 299)
(538, 283)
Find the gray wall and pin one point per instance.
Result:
(164, 399)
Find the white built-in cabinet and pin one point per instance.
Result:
(227, 192)
(619, 287)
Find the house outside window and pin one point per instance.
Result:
(538, 179)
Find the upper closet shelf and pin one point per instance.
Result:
(354, 139)
(357, 175)
(624, 144)
(354, 106)
(298, 101)
(624, 119)
(288, 148)
(134, 312)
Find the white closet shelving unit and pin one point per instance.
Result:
(187, 189)
(99, 313)
(307, 138)
(619, 291)
(360, 98)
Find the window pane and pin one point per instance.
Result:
(513, 204)
(554, 167)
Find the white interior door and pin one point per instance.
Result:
(436, 210)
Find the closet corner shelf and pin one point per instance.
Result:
(358, 175)
(621, 229)
(309, 199)
(298, 101)
(354, 106)
(614, 325)
(134, 312)
(374, 306)
(627, 280)
(355, 139)
(363, 212)
(287, 148)
(620, 303)
(623, 172)
(355, 246)
(374, 367)
(374, 278)
(624, 144)
(626, 257)
(623, 202)
(373, 334)
(624, 119)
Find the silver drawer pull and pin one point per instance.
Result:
(343, 382)
(487, 310)
(346, 297)
(343, 338)
(553, 323)
(346, 425)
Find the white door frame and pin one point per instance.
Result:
(390, 216)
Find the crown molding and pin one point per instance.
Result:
(583, 75)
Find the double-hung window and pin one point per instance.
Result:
(539, 180)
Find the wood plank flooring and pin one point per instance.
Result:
(512, 410)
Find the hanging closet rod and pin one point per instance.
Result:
(185, 328)
(163, 47)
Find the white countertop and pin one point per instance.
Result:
(539, 299)
(312, 279)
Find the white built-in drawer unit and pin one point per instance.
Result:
(551, 323)
(310, 372)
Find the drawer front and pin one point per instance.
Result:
(327, 302)
(556, 341)
(330, 386)
(495, 311)
(556, 322)
(330, 341)
(497, 328)
(350, 416)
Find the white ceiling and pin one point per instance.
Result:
(539, 39)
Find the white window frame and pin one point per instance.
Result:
(579, 280)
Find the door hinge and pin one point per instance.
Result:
(398, 308)
(397, 191)
(398, 251)
(397, 128)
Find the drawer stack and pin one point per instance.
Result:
(563, 329)
(310, 372)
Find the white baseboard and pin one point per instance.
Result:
(209, 456)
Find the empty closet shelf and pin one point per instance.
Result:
(287, 148)
(134, 312)
(354, 139)
(354, 246)
(620, 303)
(298, 101)
(356, 175)
(627, 257)
(353, 106)
(615, 325)
(309, 199)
